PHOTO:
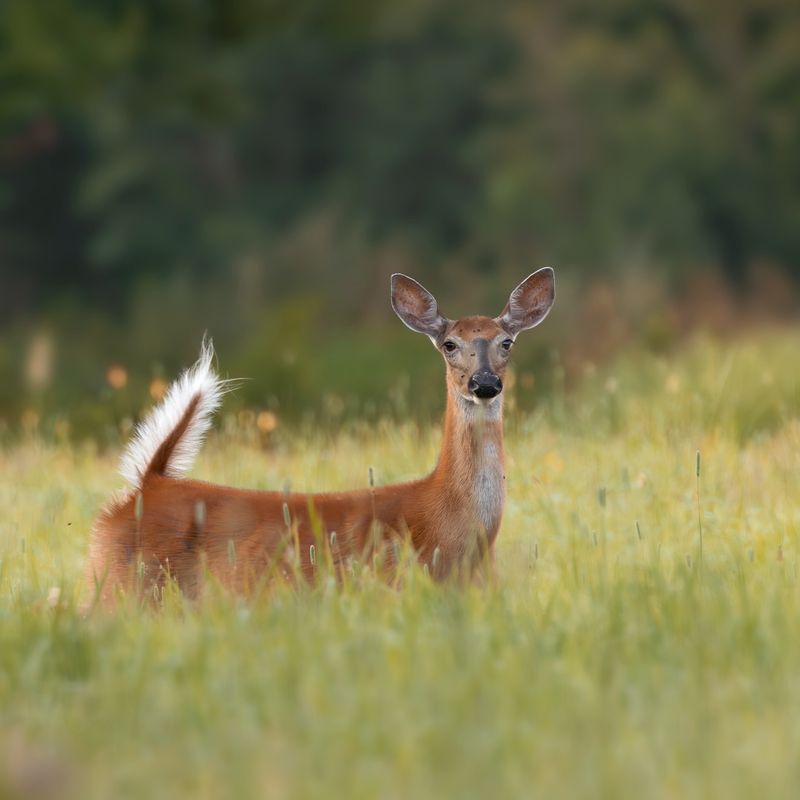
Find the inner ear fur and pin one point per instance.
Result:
(417, 307)
(529, 303)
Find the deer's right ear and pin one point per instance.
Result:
(416, 307)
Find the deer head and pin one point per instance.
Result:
(476, 349)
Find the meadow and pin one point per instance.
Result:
(640, 637)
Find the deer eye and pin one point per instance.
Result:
(506, 344)
(449, 346)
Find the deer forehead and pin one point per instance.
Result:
(470, 328)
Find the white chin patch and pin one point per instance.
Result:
(480, 401)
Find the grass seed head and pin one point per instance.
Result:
(200, 513)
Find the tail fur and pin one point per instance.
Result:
(170, 436)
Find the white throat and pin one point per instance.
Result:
(488, 481)
(489, 486)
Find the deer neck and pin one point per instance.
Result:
(471, 463)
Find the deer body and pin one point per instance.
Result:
(170, 526)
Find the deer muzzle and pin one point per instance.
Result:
(485, 385)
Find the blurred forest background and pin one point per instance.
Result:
(258, 169)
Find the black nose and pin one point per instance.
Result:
(485, 384)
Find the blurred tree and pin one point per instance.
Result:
(147, 137)
(204, 136)
(657, 131)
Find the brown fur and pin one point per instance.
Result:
(172, 537)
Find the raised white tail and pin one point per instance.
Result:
(170, 436)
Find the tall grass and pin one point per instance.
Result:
(606, 659)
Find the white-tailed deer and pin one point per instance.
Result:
(166, 525)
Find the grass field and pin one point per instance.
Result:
(641, 639)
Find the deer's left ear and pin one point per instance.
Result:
(530, 302)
